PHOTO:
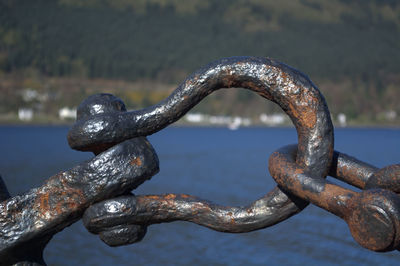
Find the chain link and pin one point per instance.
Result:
(99, 190)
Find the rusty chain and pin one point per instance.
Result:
(99, 190)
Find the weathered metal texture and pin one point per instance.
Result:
(30, 219)
(151, 209)
(373, 216)
(351, 170)
(125, 159)
(287, 87)
(364, 175)
(387, 178)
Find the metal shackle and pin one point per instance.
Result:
(28, 221)
(363, 175)
(287, 87)
(373, 215)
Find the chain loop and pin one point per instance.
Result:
(372, 215)
(287, 87)
(28, 221)
(100, 188)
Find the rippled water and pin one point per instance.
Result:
(227, 167)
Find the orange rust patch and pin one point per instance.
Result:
(58, 201)
(43, 201)
(155, 197)
(309, 118)
(335, 198)
(170, 196)
(136, 161)
(284, 76)
(185, 196)
(298, 171)
(351, 175)
(305, 115)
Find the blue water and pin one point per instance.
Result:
(227, 167)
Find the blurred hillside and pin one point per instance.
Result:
(141, 49)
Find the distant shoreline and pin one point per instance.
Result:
(190, 125)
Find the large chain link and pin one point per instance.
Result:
(100, 189)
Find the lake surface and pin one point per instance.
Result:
(227, 167)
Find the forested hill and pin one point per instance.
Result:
(353, 42)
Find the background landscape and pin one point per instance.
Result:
(55, 53)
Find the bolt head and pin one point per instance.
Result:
(374, 220)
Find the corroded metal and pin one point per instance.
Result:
(287, 87)
(152, 209)
(100, 188)
(290, 89)
(28, 221)
(363, 175)
(312, 187)
(351, 170)
(387, 177)
(373, 216)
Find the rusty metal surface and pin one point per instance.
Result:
(387, 177)
(99, 190)
(33, 217)
(373, 216)
(152, 209)
(287, 87)
(351, 170)
(363, 175)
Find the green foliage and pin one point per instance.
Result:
(140, 39)
(354, 41)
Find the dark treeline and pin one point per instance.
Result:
(354, 44)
